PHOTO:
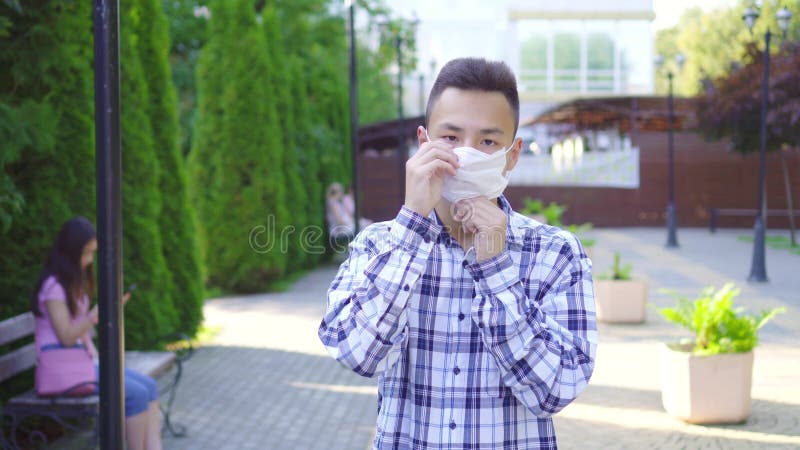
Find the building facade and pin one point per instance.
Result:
(559, 50)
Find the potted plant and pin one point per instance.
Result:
(618, 297)
(707, 379)
(551, 214)
(533, 208)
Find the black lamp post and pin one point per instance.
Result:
(672, 222)
(109, 220)
(351, 38)
(758, 269)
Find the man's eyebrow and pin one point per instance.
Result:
(493, 130)
(451, 127)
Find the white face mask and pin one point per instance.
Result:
(479, 174)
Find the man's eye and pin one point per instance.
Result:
(489, 143)
(450, 138)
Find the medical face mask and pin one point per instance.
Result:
(479, 174)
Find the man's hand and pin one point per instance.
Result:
(483, 219)
(425, 173)
(125, 298)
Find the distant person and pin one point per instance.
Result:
(478, 321)
(348, 200)
(64, 325)
(340, 222)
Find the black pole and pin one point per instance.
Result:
(758, 270)
(351, 35)
(109, 221)
(672, 223)
(402, 151)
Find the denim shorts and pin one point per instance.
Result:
(140, 390)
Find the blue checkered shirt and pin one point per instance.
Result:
(470, 355)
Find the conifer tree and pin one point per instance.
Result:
(151, 313)
(46, 93)
(176, 220)
(278, 83)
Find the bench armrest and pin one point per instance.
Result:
(179, 343)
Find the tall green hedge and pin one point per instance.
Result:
(278, 84)
(151, 313)
(176, 219)
(47, 91)
(238, 154)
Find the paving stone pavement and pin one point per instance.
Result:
(265, 381)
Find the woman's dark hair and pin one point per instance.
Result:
(64, 263)
(476, 74)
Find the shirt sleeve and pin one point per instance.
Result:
(52, 290)
(544, 344)
(366, 321)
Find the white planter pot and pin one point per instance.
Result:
(620, 301)
(706, 389)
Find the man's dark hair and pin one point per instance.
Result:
(476, 74)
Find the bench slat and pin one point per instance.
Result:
(149, 363)
(16, 327)
(17, 361)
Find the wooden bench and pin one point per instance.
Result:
(743, 212)
(167, 366)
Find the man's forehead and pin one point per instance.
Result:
(458, 109)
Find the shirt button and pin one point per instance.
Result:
(464, 263)
(460, 316)
(406, 288)
(456, 371)
(427, 239)
(452, 425)
(480, 324)
(475, 278)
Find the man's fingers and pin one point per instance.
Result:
(429, 147)
(437, 166)
(441, 156)
(439, 153)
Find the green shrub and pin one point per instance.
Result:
(277, 79)
(151, 313)
(618, 271)
(176, 220)
(47, 155)
(717, 325)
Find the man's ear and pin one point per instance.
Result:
(421, 136)
(513, 154)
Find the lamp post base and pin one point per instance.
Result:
(758, 270)
(672, 225)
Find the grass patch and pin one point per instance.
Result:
(776, 242)
(206, 334)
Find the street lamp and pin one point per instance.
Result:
(758, 269)
(672, 223)
(351, 38)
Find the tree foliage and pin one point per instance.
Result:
(176, 220)
(716, 40)
(731, 105)
(47, 149)
(48, 156)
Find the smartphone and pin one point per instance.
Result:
(132, 287)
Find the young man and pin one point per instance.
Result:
(479, 321)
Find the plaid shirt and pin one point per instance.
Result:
(471, 355)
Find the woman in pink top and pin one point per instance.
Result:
(64, 320)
